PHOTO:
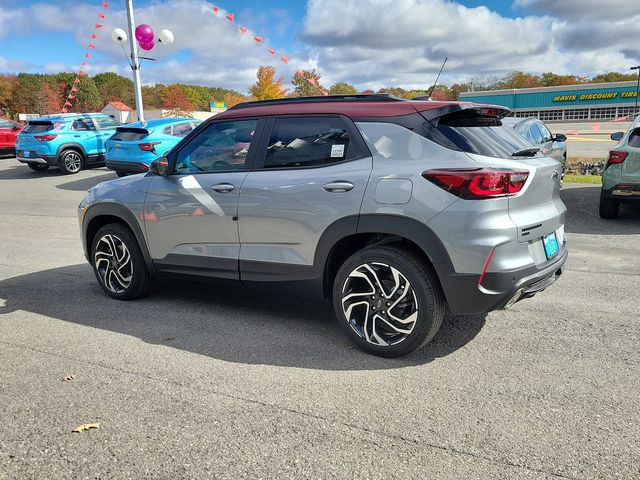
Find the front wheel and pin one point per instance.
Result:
(387, 301)
(609, 208)
(38, 167)
(70, 162)
(118, 263)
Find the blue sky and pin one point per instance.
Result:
(369, 43)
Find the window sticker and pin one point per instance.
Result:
(337, 151)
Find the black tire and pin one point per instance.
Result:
(71, 161)
(38, 167)
(140, 279)
(609, 208)
(121, 174)
(427, 296)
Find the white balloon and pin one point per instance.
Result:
(119, 35)
(165, 37)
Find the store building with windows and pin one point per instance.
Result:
(593, 101)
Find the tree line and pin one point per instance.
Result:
(47, 93)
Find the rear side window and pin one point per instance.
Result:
(546, 134)
(536, 134)
(471, 132)
(124, 134)
(42, 126)
(182, 129)
(106, 123)
(306, 142)
(6, 123)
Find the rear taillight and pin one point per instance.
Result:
(148, 147)
(616, 157)
(479, 183)
(45, 138)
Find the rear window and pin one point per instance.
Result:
(125, 134)
(471, 132)
(42, 126)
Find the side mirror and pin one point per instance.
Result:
(617, 136)
(160, 166)
(560, 138)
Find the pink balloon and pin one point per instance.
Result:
(147, 46)
(144, 33)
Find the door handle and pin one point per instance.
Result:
(77, 136)
(223, 187)
(338, 186)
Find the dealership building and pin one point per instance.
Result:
(569, 102)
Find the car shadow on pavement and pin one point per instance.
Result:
(228, 323)
(84, 184)
(582, 204)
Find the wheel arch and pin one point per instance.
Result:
(97, 216)
(71, 146)
(336, 245)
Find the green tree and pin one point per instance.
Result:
(614, 77)
(307, 83)
(113, 87)
(550, 79)
(87, 98)
(28, 95)
(342, 88)
(266, 87)
(152, 95)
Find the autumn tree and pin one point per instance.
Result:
(174, 98)
(307, 83)
(8, 84)
(266, 87)
(51, 100)
(152, 95)
(342, 88)
(232, 99)
(87, 98)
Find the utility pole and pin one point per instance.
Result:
(135, 63)
(635, 109)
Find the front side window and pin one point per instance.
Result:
(306, 142)
(546, 134)
(83, 124)
(106, 123)
(222, 146)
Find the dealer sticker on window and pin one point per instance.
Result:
(337, 151)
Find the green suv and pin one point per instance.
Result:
(621, 174)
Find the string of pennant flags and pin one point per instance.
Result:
(218, 12)
(87, 56)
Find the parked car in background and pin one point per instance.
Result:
(539, 135)
(71, 141)
(9, 130)
(396, 210)
(621, 174)
(134, 146)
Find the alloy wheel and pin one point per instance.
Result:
(113, 263)
(379, 304)
(72, 162)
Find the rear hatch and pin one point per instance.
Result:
(124, 143)
(28, 134)
(536, 209)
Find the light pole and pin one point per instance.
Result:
(635, 109)
(135, 63)
(145, 37)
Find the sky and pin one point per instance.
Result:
(369, 43)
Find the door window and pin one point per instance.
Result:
(83, 124)
(182, 129)
(6, 123)
(306, 142)
(535, 134)
(222, 146)
(546, 134)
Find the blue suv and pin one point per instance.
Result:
(70, 141)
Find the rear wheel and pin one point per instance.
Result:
(38, 167)
(118, 263)
(71, 161)
(387, 301)
(609, 208)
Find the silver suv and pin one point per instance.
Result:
(395, 210)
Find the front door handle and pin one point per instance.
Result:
(338, 186)
(223, 187)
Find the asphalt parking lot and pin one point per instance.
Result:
(204, 381)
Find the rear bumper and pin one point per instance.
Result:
(39, 159)
(625, 192)
(127, 167)
(499, 289)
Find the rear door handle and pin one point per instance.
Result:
(223, 187)
(338, 186)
